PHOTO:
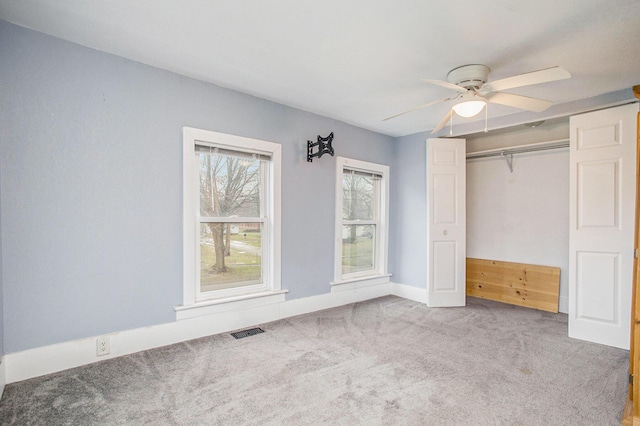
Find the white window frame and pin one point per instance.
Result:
(379, 274)
(271, 289)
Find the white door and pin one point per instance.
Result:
(602, 212)
(446, 222)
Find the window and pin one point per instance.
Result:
(231, 216)
(233, 190)
(361, 220)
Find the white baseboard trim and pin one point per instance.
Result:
(3, 375)
(416, 294)
(229, 304)
(36, 362)
(334, 299)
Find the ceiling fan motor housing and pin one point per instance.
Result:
(469, 76)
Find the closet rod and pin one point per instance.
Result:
(541, 146)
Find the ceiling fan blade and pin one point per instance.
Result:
(534, 77)
(443, 122)
(519, 101)
(445, 84)
(418, 107)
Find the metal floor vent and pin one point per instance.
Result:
(247, 333)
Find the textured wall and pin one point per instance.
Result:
(521, 216)
(1, 274)
(408, 231)
(91, 197)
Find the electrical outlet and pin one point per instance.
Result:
(102, 345)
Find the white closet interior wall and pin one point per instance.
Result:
(521, 216)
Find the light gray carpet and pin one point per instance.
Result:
(387, 361)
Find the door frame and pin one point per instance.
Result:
(631, 414)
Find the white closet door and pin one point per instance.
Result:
(602, 212)
(446, 222)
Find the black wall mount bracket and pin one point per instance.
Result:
(324, 147)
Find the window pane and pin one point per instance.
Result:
(358, 196)
(358, 242)
(230, 255)
(229, 185)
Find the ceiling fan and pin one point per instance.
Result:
(474, 91)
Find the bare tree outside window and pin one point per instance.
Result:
(230, 251)
(358, 199)
(358, 215)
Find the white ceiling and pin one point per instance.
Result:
(358, 61)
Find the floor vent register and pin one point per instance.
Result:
(247, 333)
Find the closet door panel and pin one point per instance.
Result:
(602, 215)
(446, 222)
(598, 195)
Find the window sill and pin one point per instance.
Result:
(360, 282)
(213, 306)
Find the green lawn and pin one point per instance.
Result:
(242, 266)
(357, 256)
(251, 238)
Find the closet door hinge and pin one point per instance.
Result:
(630, 379)
(635, 252)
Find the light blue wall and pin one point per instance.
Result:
(1, 286)
(91, 175)
(409, 210)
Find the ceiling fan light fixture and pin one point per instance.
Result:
(469, 108)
